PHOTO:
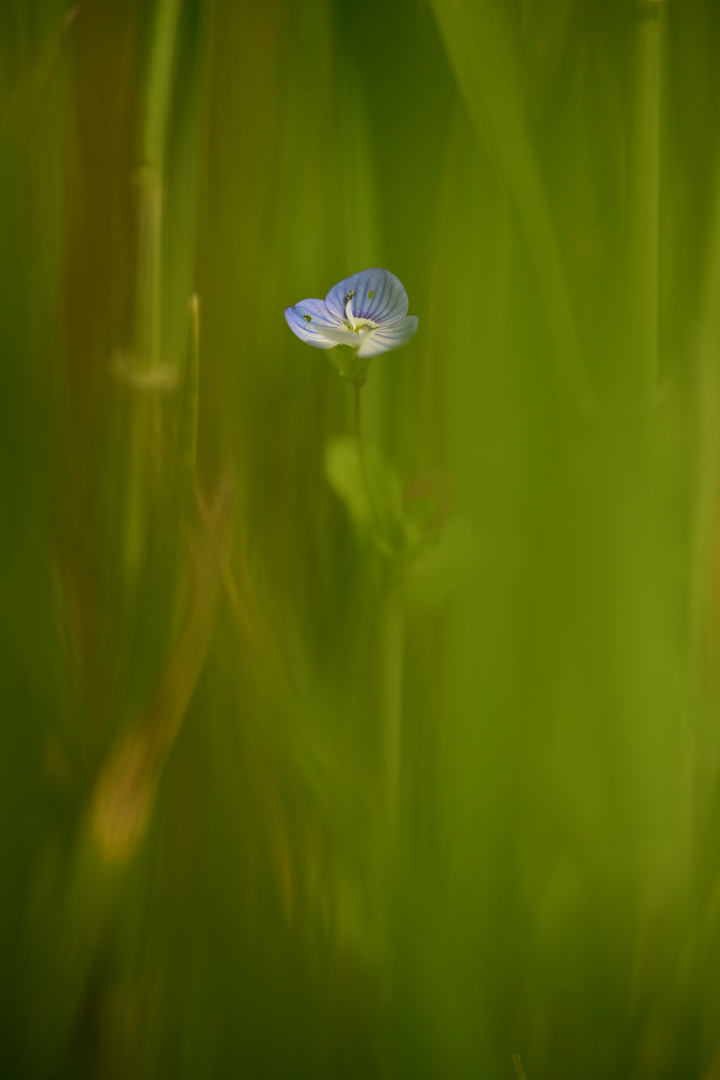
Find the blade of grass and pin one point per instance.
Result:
(644, 196)
(482, 50)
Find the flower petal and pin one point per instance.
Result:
(389, 337)
(308, 319)
(340, 336)
(379, 296)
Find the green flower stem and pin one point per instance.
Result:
(393, 650)
(363, 463)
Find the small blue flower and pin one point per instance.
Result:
(367, 312)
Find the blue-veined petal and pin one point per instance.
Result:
(379, 296)
(389, 337)
(311, 329)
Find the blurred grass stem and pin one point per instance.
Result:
(151, 178)
(708, 445)
(644, 204)
(144, 425)
(189, 415)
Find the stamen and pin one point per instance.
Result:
(348, 308)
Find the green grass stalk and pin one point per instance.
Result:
(144, 425)
(189, 415)
(644, 202)
(705, 424)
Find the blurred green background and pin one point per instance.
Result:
(279, 800)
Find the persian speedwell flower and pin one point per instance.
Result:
(366, 312)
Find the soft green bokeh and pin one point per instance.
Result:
(301, 781)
